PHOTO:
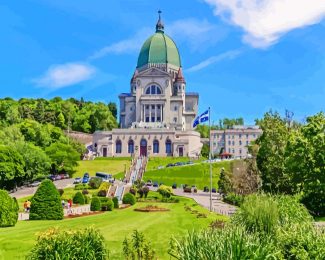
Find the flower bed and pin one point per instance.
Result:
(151, 208)
(84, 214)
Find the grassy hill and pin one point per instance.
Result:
(108, 165)
(158, 227)
(197, 174)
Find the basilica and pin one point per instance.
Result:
(157, 115)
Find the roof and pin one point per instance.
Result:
(191, 94)
(125, 95)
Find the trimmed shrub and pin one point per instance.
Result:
(95, 204)
(78, 198)
(104, 186)
(115, 202)
(129, 198)
(106, 204)
(71, 244)
(61, 191)
(87, 199)
(102, 193)
(8, 210)
(46, 203)
(95, 182)
(85, 192)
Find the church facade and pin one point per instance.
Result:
(156, 116)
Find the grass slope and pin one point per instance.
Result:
(108, 165)
(155, 162)
(197, 174)
(158, 227)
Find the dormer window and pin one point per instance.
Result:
(153, 90)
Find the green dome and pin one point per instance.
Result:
(159, 48)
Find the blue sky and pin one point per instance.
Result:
(244, 57)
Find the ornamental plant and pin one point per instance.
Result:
(78, 198)
(8, 210)
(95, 204)
(46, 203)
(129, 198)
(115, 202)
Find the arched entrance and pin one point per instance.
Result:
(143, 147)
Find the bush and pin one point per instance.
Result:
(95, 182)
(233, 199)
(116, 204)
(85, 192)
(102, 193)
(78, 198)
(87, 199)
(314, 200)
(72, 244)
(104, 186)
(95, 204)
(61, 191)
(129, 198)
(46, 203)
(106, 204)
(8, 210)
(81, 186)
(165, 191)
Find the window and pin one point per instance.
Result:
(233, 151)
(155, 146)
(175, 108)
(239, 142)
(254, 135)
(229, 142)
(168, 146)
(118, 146)
(233, 137)
(240, 151)
(229, 150)
(247, 135)
(131, 146)
(153, 90)
(247, 142)
(239, 135)
(233, 142)
(152, 106)
(175, 119)
(147, 119)
(147, 106)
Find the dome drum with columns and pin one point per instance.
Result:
(157, 105)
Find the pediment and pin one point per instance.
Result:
(153, 72)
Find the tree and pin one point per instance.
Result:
(46, 203)
(60, 121)
(63, 156)
(11, 167)
(205, 151)
(8, 210)
(112, 107)
(271, 154)
(224, 182)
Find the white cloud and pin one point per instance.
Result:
(63, 75)
(130, 45)
(214, 59)
(265, 21)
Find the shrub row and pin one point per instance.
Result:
(8, 210)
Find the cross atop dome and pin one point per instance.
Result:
(160, 25)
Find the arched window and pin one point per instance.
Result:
(131, 146)
(118, 146)
(153, 90)
(168, 146)
(155, 146)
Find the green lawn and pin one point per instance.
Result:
(198, 174)
(158, 227)
(108, 165)
(155, 162)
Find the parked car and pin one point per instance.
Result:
(170, 165)
(187, 189)
(85, 179)
(77, 180)
(35, 184)
(214, 190)
(189, 162)
(206, 189)
(86, 174)
(179, 164)
(174, 186)
(155, 184)
(52, 177)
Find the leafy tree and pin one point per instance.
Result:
(60, 121)
(11, 167)
(112, 107)
(205, 150)
(63, 156)
(271, 154)
(8, 210)
(46, 203)
(224, 183)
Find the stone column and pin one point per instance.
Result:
(155, 113)
(150, 113)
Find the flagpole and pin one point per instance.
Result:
(210, 160)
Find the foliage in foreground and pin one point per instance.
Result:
(69, 245)
(8, 210)
(138, 247)
(265, 227)
(46, 203)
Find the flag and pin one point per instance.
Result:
(201, 119)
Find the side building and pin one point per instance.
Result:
(233, 142)
(157, 115)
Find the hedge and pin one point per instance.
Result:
(106, 204)
(95, 204)
(115, 201)
(8, 210)
(46, 203)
